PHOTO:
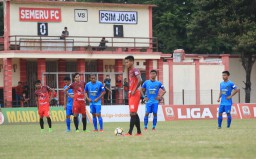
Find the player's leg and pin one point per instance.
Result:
(148, 111)
(94, 117)
(228, 111)
(47, 115)
(68, 114)
(221, 110)
(76, 113)
(136, 106)
(84, 120)
(155, 110)
(98, 114)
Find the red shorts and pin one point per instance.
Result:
(134, 101)
(44, 111)
(79, 107)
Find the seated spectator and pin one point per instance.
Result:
(126, 90)
(18, 91)
(25, 98)
(64, 33)
(107, 85)
(103, 45)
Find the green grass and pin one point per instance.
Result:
(179, 139)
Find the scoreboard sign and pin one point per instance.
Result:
(118, 17)
(81, 15)
(42, 29)
(40, 14)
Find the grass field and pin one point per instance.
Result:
(179, 139)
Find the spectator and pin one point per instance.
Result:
(126, 90)
(18, 91)
(64, 33)
(107, 85)
(103, 45)
(25, 98)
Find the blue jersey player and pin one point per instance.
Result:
(151, 88)
(94, 92)
(68, 102)
(225, 98)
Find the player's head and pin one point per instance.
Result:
(67, 80)
(65, 28)
(107, 76)
(153, 74)
(76, 77)
(129, 61)
(19, 83)
(93, 78)
(125, 79)
(38, 84)
(225, 75)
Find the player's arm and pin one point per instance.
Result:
(86, 94)
(234, 92)
(66, 91)
(143, 89)
(219, 96)
(162, 94)
(52, 92)
(138, 85)
(101, 95)
(36, 99)
(65, 101)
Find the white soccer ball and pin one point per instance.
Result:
(118, 131)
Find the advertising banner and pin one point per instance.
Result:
(40, 14)
(118, 17)
(247, 110)
(115, 113)
(195, 112)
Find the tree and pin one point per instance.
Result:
(226, 26)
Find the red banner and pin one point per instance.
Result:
(40, 14)
(195, 112)
(247, 110)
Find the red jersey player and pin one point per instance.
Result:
(43, 103)
(79, 106)
(134, 94)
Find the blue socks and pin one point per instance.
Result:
(101, 122)
(154, 121)
(219, 121)
(95, 123)
(146, 121)
(68, 123)
(94, 120)
(229, 120)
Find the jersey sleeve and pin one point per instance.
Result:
(161, 85)
(144, 85)
(136, 72)
(102, 88)
(233, 86)
(86, 87)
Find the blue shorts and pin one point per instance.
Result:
(225, 108)
(69, 111)
(152, 108)
(95, 109)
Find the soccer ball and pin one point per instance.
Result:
(118, 131)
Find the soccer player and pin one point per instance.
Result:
(78, 100)
(94, 91)
(225, 96)
(68, 102)
(134, 95)
(43, 103)
(152, 87)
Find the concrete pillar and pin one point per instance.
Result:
(7, 72)
(119, 69)
(61, 68)
(149, 67)
(41, 68)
